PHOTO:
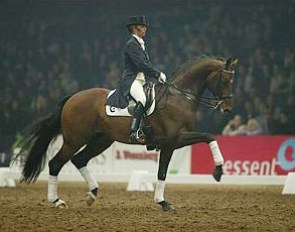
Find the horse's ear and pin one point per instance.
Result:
(234, 62)
(228, 62)
(231, 63)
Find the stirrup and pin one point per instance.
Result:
(137, 137)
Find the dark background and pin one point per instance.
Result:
(49, 49)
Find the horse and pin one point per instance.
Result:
(82, 121)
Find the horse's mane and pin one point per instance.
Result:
(193, 60)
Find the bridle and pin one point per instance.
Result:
(208, 102)
(219, 85)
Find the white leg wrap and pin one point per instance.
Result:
(217, 156)
(92, 184)
(159, 191)
(52, 188)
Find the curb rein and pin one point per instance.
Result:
(208, 102)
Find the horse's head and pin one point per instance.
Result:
(214, 74)
(220, 83)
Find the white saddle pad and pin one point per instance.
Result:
(113, 111)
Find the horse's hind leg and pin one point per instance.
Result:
(95, 146)
(55, 165)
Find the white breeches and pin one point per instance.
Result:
(136, 91)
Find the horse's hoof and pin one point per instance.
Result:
(151, 146)
(217, 173)
(60, 204)
(166, 206)
(90, 198)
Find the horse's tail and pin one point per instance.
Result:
(36, 141)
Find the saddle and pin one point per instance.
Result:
(144, 128)
(149, 90)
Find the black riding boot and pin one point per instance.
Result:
(138, 113)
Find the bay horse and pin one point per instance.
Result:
(83, 122)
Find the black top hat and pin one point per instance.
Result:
(137, 20)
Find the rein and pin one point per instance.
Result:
(208, 102)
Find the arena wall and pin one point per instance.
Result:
(248, 160)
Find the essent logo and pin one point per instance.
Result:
(287, 163)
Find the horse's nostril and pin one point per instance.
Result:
(227, 110)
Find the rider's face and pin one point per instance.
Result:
(140, 30)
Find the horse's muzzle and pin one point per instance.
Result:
(225, 110)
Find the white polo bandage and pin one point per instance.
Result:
(217, 156)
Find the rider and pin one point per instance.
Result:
(137, 70)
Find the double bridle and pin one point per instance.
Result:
(219, 87)
(209, 102)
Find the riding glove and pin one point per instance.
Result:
(162, 78)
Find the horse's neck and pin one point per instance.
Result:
(195, 77)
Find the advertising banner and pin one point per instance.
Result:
(248, 155)
(121, 158)
(127, 158)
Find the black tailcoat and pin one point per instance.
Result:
(135, 60)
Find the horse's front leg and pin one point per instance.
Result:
(190, 138)
(165, 157)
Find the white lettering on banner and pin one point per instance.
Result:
(248, 167)
(136, 155)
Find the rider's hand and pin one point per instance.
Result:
(162, 78)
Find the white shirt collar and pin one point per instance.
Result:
(140, 40)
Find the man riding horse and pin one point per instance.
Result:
(136, 71)
(88, 130)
